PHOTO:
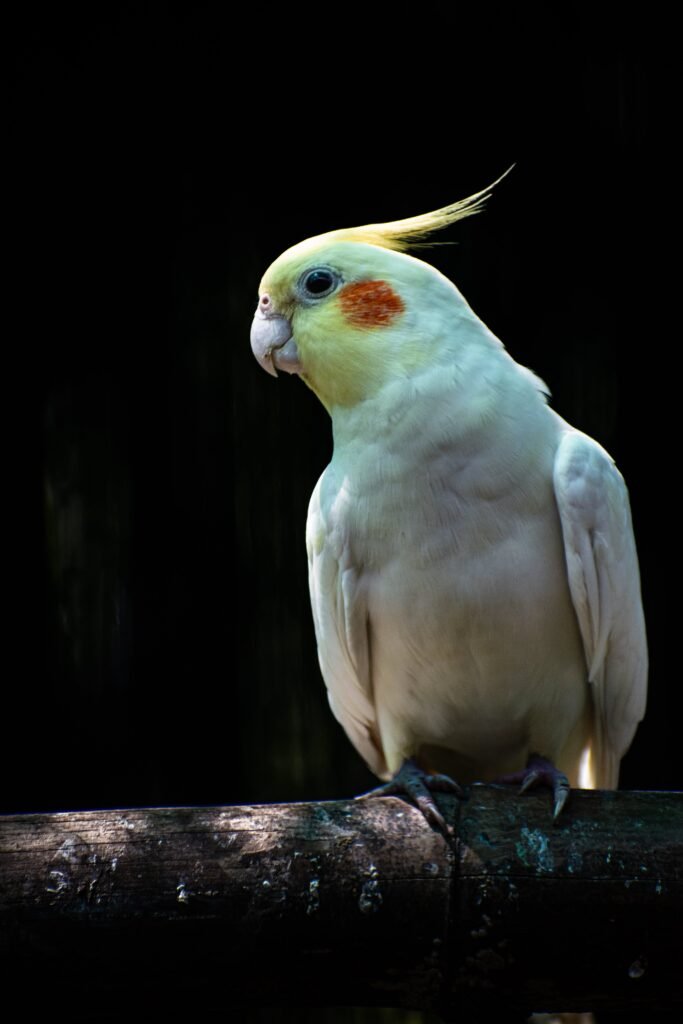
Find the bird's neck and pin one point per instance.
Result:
(475, 414)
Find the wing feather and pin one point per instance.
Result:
(604, 580)
(341, 629)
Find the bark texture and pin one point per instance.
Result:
(350, 903)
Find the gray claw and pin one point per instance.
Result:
(540, 770)
(431, 811)
(530, 780)
(561, 794)
(417, 785)
(445, 784)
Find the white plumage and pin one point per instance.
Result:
(473, 573)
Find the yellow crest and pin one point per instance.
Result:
(410, 232)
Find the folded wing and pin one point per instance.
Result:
(341, 628)
(604, 580)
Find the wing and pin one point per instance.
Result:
(604, 581)
(341, 629)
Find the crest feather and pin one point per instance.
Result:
(410, 232)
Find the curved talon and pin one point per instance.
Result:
(531, 779)
(388, 789)
(412, 781)
(431, 812)
(541, 771)
(444, 784)
(561, 791)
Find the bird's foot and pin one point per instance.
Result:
(418, 785)
(541, 772)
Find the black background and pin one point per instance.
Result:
(159, 646)
(154, 474)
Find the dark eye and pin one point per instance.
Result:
(317, 283)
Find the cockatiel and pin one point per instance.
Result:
(472, 566)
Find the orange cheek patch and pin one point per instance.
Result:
(370, 304)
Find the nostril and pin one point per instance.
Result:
(265, 300)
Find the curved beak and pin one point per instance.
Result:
(272, 343)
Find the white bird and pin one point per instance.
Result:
(472, 565)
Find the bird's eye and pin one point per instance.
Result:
(318, 283)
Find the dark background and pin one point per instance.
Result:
(154, 475)
(157, 475)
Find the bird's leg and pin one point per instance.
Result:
(540, 771)
(418, 785)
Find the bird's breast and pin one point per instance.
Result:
(472, 632)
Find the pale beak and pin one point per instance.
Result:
(272, 342)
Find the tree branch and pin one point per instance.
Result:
(351, 903)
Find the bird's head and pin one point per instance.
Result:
(349, 310)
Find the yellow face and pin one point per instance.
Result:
(350, 307)
(349, 311)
